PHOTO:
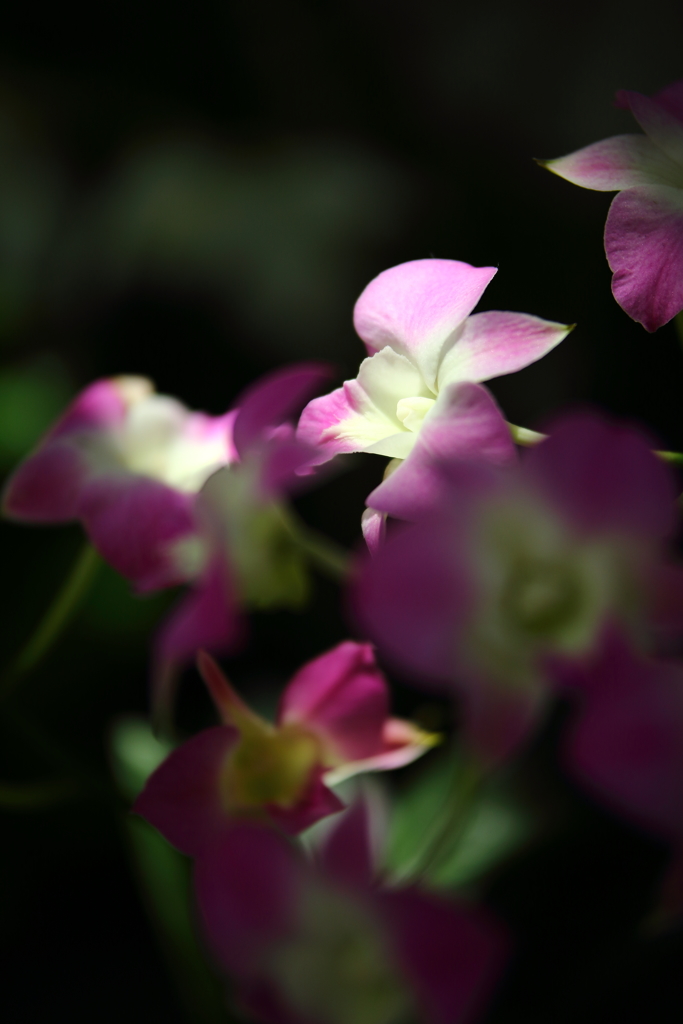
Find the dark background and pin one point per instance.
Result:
(198, 192)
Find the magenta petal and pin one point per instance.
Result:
(465, 424)
(343, 696)
(283, 464)
(208, 617)
(626, 744)
(273, 400)
(452, 954)
(133, 521)
(347, 852)
(318, 802)
(416, 306)
(603, 476)
(46, 488)
(671, 98)
(374, 527)
(99, 407)
(247, 885)
(644, 246)
(323, 414)
(664, 128)
(182, 797)
(412, 596)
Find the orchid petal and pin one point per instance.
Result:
(665, 130)
(452, 953)
(182, 798)
(361, 415)
(207, 617)
(644, 245)
(247, 886)
(410, 597)
(403, 742)
(627, 740)
(46, 488)
(133, 521)
(465, 424)
(274, 399)
(227, 701)
(162, 440)
(492, 344)
(101, 406)
(603, 476)
(374, 527)
(671, 98)
(317, 802)
(347, 852)
(343, 696)
(623, 161)
(415, 307)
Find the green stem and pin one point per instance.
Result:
(330, 558)
(54, 620)
(528, 438)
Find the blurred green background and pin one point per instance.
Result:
(199, 192)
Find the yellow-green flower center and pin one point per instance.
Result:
(269, 766)
(541, 595)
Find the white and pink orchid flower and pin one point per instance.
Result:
(127, 463)
(414, 394)
(644, 229)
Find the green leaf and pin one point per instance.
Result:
(454, 823)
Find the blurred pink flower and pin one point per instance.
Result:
(333, 722)
(644, 230)
(626, 740)
(325, 942)
(416, 394)
(515, 567)
(128, 463)
(242, 552)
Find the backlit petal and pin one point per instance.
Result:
(493, 344)
(623, 161)
(415, 308)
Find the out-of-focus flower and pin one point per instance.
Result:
(333, 722)
(516, 567)
(244, 550)
(128, 463)
(422, 344)
(644, 229)
(626, 742)
(325, 942)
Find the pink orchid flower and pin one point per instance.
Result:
(409, 400)
(515, 567)
(644, 229)
(324, 941)
(242, 553)
(128, 463)
(333, 722)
